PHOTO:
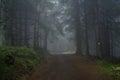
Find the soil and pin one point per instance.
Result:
(68, 67)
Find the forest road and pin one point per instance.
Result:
(68, 67)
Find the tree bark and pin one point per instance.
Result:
(86, 27)
(77, 26)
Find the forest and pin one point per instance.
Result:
(61, 37)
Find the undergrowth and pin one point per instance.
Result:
(18, 62)
(112, 69)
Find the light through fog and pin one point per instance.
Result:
(59, 39)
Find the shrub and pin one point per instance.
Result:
(16, 62)
(111, 69)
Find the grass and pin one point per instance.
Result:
(113, 70)
(16, 63)
(69, 52)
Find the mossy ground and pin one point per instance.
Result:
(18, 62)
(112, 69)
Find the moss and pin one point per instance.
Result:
(110, 69)
(16, 62)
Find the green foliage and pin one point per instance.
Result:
(15, 62)
(111, 69)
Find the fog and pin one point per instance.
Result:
(64, 37)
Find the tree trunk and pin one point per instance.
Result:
(46, 40)
(77, 26)
(86, 27)
(96, 24)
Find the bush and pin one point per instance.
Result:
(111, 69)
(16, 62)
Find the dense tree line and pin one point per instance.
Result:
(23, 22)
(99, 19)
(95, 24)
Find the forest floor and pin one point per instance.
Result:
(68, 67)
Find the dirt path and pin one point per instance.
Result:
(68, 67)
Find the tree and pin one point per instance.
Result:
(86, 26)
(77, 26)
